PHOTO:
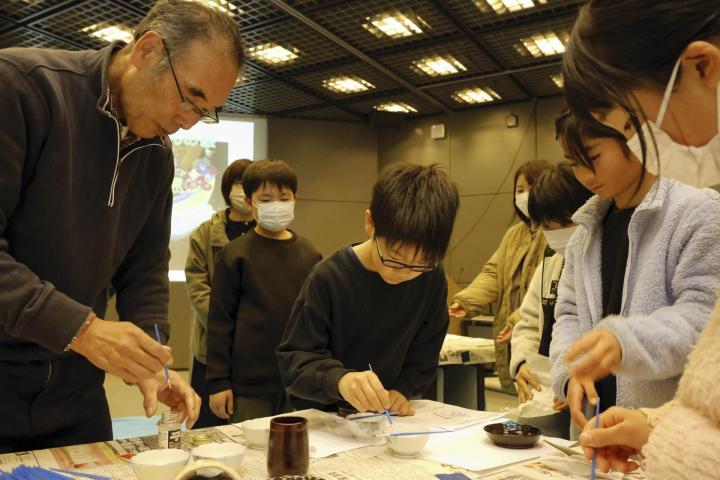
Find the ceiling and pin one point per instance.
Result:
(331, 40)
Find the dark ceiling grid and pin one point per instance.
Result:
(337, 44)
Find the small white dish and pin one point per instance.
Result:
(230, 454)
(257, 432)
(408, 446)
(162, 464)
(366, 427)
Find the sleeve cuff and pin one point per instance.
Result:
(220, 385)
(330, 383)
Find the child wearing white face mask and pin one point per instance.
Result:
(553, 200)
(640, 279)
(256, 280)
(505, 277)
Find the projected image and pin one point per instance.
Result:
(199, 165)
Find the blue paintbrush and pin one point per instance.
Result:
(597, 425)
(167, 374)
(387, 414)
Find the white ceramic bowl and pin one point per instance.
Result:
(162, 464)
(230, 454)
(408, 446)
(365, 426)
(257, 432)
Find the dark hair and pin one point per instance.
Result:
(416, 206)
(556, 196)
(232, 175)
(274, 172)
(531, 171)
(619, 46)
(571, 129)
(179, 22)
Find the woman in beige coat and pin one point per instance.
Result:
(506, 276)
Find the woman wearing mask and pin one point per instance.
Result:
(556, 196)
(206, 242)
(506, 276)
(650, 69)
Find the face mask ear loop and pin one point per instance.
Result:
(666, 98)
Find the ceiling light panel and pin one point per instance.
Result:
(273, 54)
(347, 84)
(396, 107)
(438, 66)
(222, 5)
(476, 95)
(507, 6)
(109, 33)
(558, 79)
(395, 24)
(545, 44)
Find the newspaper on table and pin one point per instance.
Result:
(558, 467)
(457, 349)
(441, 416)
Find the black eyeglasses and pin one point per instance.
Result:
(401, 266)
(205, 115)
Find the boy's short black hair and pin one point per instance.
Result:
(570, 130)
(416, 206)
(556, 196)
(274, 172)
(232, 175)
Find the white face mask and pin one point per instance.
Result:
(559, 238)
(697, 166)
(275, 216)
(237, 200)
(521, 202)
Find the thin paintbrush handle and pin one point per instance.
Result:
(597, 425)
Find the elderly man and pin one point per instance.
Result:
(85, 206)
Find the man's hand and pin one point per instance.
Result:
(526, 381)
(364, 391)
(181, 398)
(399, 404)
(122, 349)
(598, 353)
(222, 404)
(622, 434)
(578, 389)
(455, 310)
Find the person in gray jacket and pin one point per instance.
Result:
(640, 279)
(85, 204)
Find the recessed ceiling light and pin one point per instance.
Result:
(476, 95)
(109, 33)
(543, 44)
(222, 5)
(437, 66)
(504, 6)
(273, 53)
(396, 107)
(347, 84)
(394, 24)
(558, 79)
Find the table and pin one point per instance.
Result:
(464, 362)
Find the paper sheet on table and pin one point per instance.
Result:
(472, 449)
(440, 416)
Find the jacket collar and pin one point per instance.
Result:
(218, 236)
(593, 212)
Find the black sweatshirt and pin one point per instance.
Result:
(254, 286)
(615, 247)
(346, 317)
(78, 213)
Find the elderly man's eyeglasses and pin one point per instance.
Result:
(401, 266)
(204, 115)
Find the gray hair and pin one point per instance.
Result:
(180, 22)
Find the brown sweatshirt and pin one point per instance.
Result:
(78, 214)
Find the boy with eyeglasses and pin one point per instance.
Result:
(381, 303)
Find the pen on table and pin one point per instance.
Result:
(597, 425)
(167, 374)
(387, 414)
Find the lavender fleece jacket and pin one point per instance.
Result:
(672, 277)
